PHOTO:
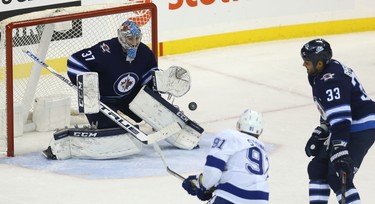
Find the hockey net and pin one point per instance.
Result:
(53, 35)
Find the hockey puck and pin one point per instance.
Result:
(192, 106)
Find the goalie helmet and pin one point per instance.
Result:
(251, 122)
(317, 50)
(130, 36)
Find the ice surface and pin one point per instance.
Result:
(268, 77)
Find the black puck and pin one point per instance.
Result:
(192, 106)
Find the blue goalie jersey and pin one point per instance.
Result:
(342, 101)
(119, 79)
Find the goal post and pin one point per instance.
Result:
(54, 35)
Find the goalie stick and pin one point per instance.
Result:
(137, 133)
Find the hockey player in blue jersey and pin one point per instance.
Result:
(124, 64)
(347, 125)
(236, 169)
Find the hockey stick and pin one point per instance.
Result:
(170, 171)
(160, 153)
(138, 134)
(343, 187)
(164, 132)
(194, 183)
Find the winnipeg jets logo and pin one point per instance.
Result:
(327, 76)
(105, 48)
(125, 83)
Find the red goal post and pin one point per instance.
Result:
(53, 35)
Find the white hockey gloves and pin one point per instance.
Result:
(175, 81)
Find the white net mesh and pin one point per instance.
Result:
(54, 43)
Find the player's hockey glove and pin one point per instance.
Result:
(340, 158)
(189, 184)
(202, 193)
(316, 141)
(193, 186)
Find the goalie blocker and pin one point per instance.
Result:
(88, 92)
(159, 113)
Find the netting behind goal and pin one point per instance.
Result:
(53, 35)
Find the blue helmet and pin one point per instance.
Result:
(130, 36)
(317, 50)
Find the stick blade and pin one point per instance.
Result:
(164, 133)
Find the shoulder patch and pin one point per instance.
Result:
(327, 76)
(105, 48)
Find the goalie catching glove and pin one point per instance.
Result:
(175, 81)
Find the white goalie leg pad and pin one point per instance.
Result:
(159, 113)
(188, 138)
(60, 144)
(95, 144)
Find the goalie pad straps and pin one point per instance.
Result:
(88, 92)
(90, 143)
(175, 81)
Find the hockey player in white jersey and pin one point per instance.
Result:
(236, 169)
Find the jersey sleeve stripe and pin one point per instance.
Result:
(146, 78)
(215, 162)
(338, 109)
(363, 126)
(75, 64)
(368, 118)
(74, 71)
(334, 121)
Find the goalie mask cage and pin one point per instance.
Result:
(53, 35)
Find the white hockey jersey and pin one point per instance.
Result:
(237, 165)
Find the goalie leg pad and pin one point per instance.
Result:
(159, 113)
(187, 138)
(61, 146)
(86, 143)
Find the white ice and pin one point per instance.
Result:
(268, 77)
